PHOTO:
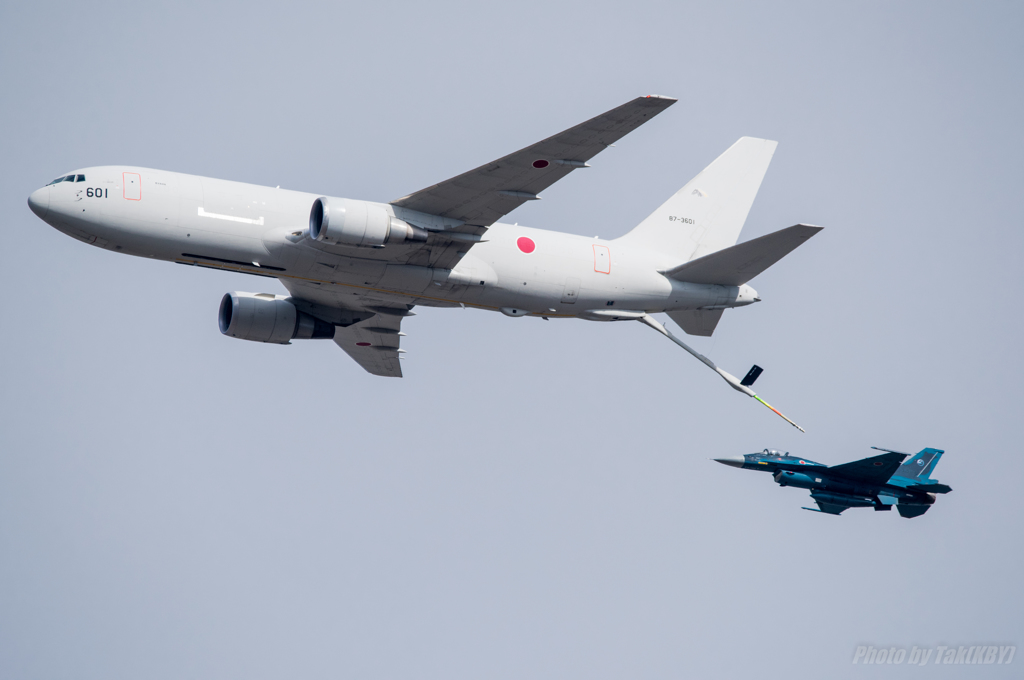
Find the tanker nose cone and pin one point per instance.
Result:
(39, 201)
(735, 461)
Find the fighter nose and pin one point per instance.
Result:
(39, 201)
(734, 461)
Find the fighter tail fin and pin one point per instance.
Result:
(708, 213)
(920, 466)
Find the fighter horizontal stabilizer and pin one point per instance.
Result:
(909, 511)
(738, 264)
(873, 470)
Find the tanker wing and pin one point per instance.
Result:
(483, 195)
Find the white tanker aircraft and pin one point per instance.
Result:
(354, 269)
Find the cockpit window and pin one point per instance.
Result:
(68, 178)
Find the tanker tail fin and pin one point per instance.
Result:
(708, 213)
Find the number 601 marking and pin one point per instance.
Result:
(96, 193)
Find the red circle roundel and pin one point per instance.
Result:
(540, 163)
(362, 344)
(526, 245)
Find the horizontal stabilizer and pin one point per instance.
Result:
(697, 321)
(873, 470)
(738, 264)
(912, 510)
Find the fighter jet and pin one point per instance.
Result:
(879, 482)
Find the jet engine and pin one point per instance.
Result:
(263, 317)
(343, 221)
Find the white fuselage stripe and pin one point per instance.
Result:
(231, 218)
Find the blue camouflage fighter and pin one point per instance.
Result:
(892, 478)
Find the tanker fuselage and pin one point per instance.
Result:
(262, 230)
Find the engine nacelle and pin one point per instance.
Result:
(263, 317)
(343, 221)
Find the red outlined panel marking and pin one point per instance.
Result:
(602, 260)
(132, 186)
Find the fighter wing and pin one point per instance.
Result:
(373, 343)
(829, 508)
(873, 470)
(481, 196)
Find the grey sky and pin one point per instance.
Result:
(534, 499)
